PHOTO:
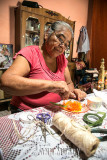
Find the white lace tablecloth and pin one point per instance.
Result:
(55, 148)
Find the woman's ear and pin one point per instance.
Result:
(46, 36)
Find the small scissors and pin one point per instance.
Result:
(43, 117)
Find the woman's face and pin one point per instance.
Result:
(57, 42)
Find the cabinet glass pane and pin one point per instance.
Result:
(47, 25)
(67, 52)
(32, 34)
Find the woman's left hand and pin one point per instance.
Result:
(80, 95)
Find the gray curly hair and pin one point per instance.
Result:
(58, 26)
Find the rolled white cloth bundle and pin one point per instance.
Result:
(76, 133)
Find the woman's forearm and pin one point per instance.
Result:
(20, 86)
(70, 86)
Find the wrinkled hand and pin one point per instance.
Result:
(80, 95)
(72, 95)
(61, 88)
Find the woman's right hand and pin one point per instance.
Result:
(61, 88)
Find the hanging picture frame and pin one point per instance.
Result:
(6, 55)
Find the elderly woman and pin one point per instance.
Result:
(39, 76)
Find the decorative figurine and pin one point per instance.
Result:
(106, 79)
(101, 75)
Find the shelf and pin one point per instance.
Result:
(33, 32)
(5, 100)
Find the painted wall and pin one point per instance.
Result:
(77, 10)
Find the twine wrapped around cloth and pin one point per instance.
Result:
(76, 133)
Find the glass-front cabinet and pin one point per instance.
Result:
(30, 25)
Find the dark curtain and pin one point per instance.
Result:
(98, 38)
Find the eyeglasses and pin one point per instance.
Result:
(60, 38)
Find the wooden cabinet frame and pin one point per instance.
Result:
(44, 15)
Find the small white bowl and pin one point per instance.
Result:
(94, 103)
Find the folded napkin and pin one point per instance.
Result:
(102, 95)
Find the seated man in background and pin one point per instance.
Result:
(39, 75)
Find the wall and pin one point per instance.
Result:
(76, 10)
